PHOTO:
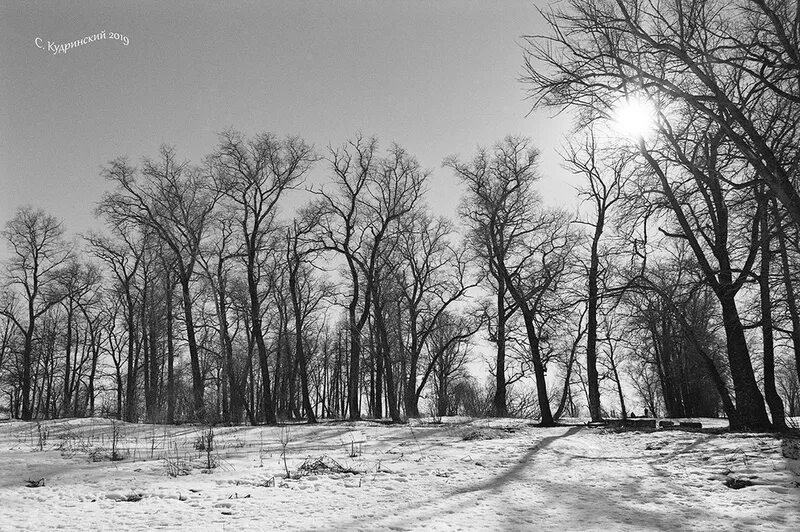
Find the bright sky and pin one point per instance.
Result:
(439, 77)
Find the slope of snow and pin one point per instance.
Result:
(459, 475)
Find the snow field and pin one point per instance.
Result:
(459, 475)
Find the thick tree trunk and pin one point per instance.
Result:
(147, 353)
(119, 393)
(410, 394)
(538, 368)
(749, 401)
(234, 411)
(154, 372)
(378, 401)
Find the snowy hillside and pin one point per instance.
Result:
(458, 475)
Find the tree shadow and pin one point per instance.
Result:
(403, 514)
(513, 473)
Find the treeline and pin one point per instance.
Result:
(199, 303)
(674, 287)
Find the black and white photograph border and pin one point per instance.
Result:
(400, 265)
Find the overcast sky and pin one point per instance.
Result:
(438, 77)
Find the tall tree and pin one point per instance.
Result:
(434, 279)
(307, 293)
(372, 194)
(252, 175)
(79, 282)
(605, 175)
(216, 261)
(38, 254)
(530, 246)
(172, 200)
(123, 254)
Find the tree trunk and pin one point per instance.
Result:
(566, 390)
(383, 340)
(67, 363)
(170, 355)
(538, 368)
(235, 410)
(791, 300)
(619, 387)
(353, 388)
(749, 401)
(95, 347)
(197, 379)
(268, 415)
(592, 377)
(499, 402)
(27, 414)
(770, 391)
(154, 371)
(299, 349)
(379, 364)
(119, 393)
(130, 389)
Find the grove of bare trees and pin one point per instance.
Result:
(208, 296)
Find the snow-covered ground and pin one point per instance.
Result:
(459, 475)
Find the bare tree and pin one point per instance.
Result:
(529, 246)
(216, 261)
(434, 278)
(605, 176)
(372, 194)
(449, 354)
(38, 254)
(307, 294)
(122, 254)
(734, 63)
(79, 282)
(684, 338)
(173, 201)
(722, 79)
(252, 175)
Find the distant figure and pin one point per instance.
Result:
(632, 414)
(645, 412)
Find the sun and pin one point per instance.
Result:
(634, 117)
